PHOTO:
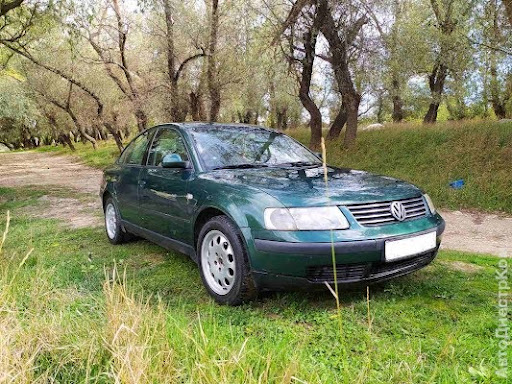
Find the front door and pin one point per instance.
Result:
(127, 185)
(164, 199)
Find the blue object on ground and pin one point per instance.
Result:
(457, 184)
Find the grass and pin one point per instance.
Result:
(431, 157)
(102, 157)
(78, 309)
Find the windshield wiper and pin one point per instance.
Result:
(299, 164)
(241, 166)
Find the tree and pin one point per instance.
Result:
(340, 36)
(18, 113)
(124, 80)
(21, 46)
(174, 71)
(495, 37)
(309, 41)
(340, 61)
(300, 31)
(450, 17)
(213, 83)
(67, 108)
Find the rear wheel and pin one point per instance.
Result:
(113, 227)
(223, 262)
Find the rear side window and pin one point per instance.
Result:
(167, 142)
(134, 153)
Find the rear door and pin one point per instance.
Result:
(127, 186)
(165, 202)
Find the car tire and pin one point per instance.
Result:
(113, 227)
(224, 263)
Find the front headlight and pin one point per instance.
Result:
(305, 219)
(430, 204)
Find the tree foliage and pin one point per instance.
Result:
(94, 69)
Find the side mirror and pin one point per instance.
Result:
(318, 154)
(174, 160)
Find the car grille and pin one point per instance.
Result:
(347, 273)
(372, 214)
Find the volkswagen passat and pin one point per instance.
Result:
(251, 207)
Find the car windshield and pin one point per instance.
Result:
(240, 147)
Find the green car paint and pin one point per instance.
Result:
(168, 206)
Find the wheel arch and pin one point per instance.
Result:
(207, 212)
(104, 197)
(203, 217)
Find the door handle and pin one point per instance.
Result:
(142, 183)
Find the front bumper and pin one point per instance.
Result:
(293, 265)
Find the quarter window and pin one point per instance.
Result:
(167, 142)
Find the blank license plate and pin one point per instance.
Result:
(411, 246)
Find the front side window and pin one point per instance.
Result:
(231, 146)
(167, 142)
(136, 149)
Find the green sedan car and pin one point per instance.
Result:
(252, 208)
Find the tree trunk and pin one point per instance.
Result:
(394, 64)
(508, 8)
(171, 66)
(446, 25)
(6, 6)
(497, 104)
(281, 119)
(134, 95)
(66, 140)
(380, 108)
(398, 114)
(338, 123)
(213, 85)
(310, 39)
(436, 84)
(315, 122)
(142, 119)
(195, 105)
(431, 115)
(499, 109)
(116, 134)
(353, 102)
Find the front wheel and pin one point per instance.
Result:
(223, 262)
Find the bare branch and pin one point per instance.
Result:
(291, 18)
(185, 62)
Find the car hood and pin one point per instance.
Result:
(307, 186)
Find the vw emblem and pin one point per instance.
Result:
(398, 210)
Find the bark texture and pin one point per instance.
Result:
(315, 122)
(213, 83)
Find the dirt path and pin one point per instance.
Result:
(465, 231)
(44, 170)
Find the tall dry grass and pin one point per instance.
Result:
(54, 334)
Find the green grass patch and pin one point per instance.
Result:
(106, 153)
(79, 309)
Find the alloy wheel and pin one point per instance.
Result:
(218, 262)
